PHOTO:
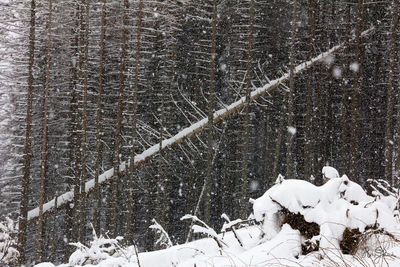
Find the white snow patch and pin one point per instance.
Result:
(45, 264)
(330, 172)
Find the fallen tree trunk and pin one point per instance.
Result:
(67, 198)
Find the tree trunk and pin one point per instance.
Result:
(389, 141)
(78, 126)
(345, 152)
(54, 235)
(280, 113)
(290, 122)
(308, 151)
(355, 139)
(72, 219)
(25, 184)
(85, 74)
(210, 150)
(44, 139)
(99, 125)
(118, 133)
(244, 183)
(396, 178)
(131, 175)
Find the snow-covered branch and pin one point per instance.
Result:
(8, 251)
(164, 237)
(205, 229)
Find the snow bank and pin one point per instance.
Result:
(338, 207)
(179, 255)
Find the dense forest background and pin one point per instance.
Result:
(87, 85)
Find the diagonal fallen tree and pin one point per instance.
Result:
(62, 201)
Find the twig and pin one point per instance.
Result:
(137, 255)
(231, 227)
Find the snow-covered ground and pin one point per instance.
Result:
(325, 216)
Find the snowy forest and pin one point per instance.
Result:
(121, 117)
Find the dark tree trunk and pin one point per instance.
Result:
(25, 184)
(118, 133)
(211, 99)
(356, 114)
(389, 140)
(244, 184)
(290, 122)
(39, 250)
(99, 125)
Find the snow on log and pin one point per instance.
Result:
(333, 215)
(65, 199)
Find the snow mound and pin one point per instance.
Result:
(337, 205)
(330, 172)
(294, 223)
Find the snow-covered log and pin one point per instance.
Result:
(325, 214)
(66, 199)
